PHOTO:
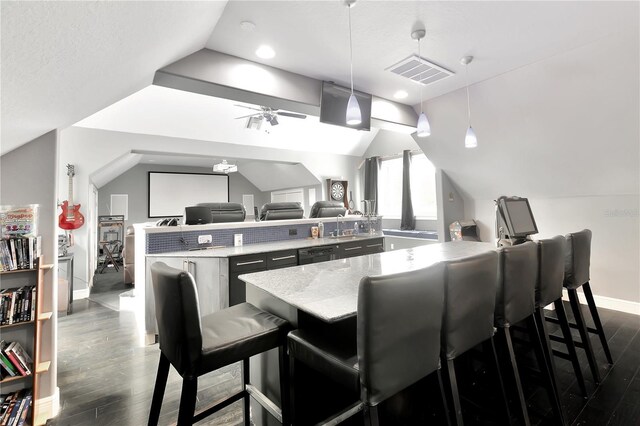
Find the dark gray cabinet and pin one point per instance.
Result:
(360, 248)
(239, 265)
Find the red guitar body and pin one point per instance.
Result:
(70, 218)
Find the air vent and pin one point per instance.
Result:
(420, 70)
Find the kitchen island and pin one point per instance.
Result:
(323, 299)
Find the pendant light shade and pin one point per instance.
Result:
(354, 116)
(424, 128)
(470, 140)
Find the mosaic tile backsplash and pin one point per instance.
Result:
(184, 239)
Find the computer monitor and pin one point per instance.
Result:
(197, 215)
(517, 216)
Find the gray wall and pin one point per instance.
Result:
(134, 182)
(29, 176)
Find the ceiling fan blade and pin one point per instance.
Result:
(290, 114)
(247, 116)
(248, 107)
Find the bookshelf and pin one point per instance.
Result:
(27, 333)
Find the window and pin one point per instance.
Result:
(423, 187)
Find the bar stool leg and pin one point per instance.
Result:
(158, 390)
(454, 395)
(443, 395)
(586, 288)
(187, 401)
(543, 334)
(506, 333)
(545, 367)
(247, 399)
(292, 391)
(584, 334)
(489, 348)
(284, 385)
(371, 415)
(571, 348)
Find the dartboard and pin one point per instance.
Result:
(337, 191)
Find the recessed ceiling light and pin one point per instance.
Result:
(265, 52)
(400, 94)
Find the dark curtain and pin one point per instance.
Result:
(407, 220)
(371, 167)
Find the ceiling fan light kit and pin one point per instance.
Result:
(225, 167)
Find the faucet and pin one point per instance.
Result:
(338, 225)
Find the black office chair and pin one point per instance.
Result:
(327, 209)
(196, 346)
(225, 212)
(549, 290)
(280, 211)
(576, 275)
(470, 288)
(398, 340)
(515, 302)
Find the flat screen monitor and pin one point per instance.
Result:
(333, 106)
(518, 216)
(197, 215)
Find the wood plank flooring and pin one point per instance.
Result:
(106, 379)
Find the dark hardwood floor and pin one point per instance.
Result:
(105, 378)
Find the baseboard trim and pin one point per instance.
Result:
(48, 407)
(605, 302)
(80, 294)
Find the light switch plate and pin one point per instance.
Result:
(237, 240)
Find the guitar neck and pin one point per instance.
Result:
(70, 190)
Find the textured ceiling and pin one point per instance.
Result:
(311, 37)
(63, 61)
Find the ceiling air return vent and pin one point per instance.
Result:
(419, 70)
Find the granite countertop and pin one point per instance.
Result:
(329, 290)
(266, 247)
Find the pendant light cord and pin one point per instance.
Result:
(350, 49)
(420, 77)
(466, 73)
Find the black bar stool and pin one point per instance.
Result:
(470, 288)
(576, 275)
(196, 346)
(549, 290)
(515, 302)
(398, 343)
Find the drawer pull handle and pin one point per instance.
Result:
(352, 248)
(374, 245)
(253, 262)
(292, 256)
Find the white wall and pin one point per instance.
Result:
(28, 176)
(90, 150)
(563, 132)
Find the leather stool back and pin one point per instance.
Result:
(551, 254)
(517, 277)
(578, 259)
(399, 322)
(470, 288)
(179, 328)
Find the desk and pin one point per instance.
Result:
(323, 298)
(68, 259)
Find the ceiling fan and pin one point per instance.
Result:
(269, 114)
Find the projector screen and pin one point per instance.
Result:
(170, 193)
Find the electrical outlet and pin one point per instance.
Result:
(293, 232)
(204, 239)
(392, 245)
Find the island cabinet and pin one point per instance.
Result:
(360, 248)
(239, 265)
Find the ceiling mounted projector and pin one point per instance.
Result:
(225, 167)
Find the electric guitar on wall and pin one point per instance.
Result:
(70, 218)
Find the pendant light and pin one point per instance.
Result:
(423, 129)
(470, 139)
(354, 116)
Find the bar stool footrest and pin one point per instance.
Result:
(265, 402)
(219, 406)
